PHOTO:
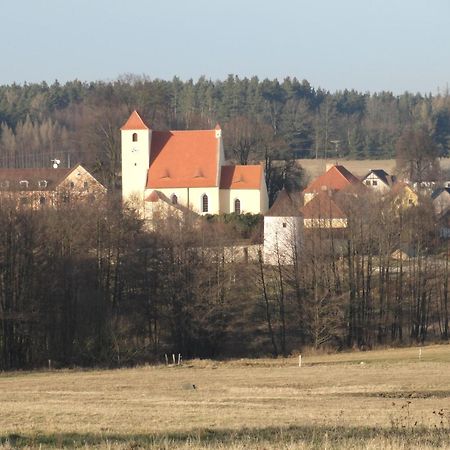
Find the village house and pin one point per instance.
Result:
(163, 170)
(441, 200)
(337, 178)
(403, 196)
(42, 187)
(379, 181)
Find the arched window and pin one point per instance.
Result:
(237, 206)
(174, 199)
(135, 137)
(204, 203)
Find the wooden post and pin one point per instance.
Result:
(49, 364)
(299, 360)
(179, 358)
(166, 358)
(173, 358)
(420, 353)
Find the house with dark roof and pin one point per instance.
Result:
(283, 225)
(379, 181)
(336, 179)
(189, 169)
(441, 200)
(42, 187)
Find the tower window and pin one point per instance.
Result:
(204, 203)
(42, 200)
(135, 137)
(174, 199)
(237, 206)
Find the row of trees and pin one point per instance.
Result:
(89, 285)
(262, 119)
(382, 281)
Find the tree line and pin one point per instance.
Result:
(91, 285)
(262, 119)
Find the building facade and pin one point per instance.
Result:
(41, 187)
(187, 168)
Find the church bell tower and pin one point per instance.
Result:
(136, 142)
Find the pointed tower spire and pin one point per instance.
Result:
(134, 122)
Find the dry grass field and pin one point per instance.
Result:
(378, 399)
(315, 167)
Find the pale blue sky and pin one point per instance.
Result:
(368, 45)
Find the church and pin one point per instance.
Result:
(175, 170)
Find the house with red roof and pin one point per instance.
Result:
(337, 178)
(188, 169)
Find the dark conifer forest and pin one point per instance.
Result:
(262, 119)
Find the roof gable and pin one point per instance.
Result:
(440, 191)
(336, 178)
(183, 159)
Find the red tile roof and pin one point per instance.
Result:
(134, 122)
(183, 159)
(322, 206)
(241, 177)
(336, 178)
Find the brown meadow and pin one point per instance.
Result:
(377, 399)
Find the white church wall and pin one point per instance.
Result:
(250, 200)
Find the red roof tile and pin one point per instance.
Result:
(241, 177)
(134, 122)
(183, 159)
(322, 206)
(336, 178)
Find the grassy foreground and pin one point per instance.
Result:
(380, 399)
